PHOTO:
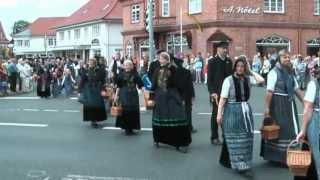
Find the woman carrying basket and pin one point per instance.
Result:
(235, 115)
(127, 95)
(281, 108)
(311, 122)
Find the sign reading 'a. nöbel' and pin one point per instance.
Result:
(242, 10)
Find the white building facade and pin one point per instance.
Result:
(86, 40)
(27, 45)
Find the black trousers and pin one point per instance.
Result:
(13, 82)
(188, 109)
(214, 124)
(20, 82)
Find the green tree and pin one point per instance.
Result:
(19, 26)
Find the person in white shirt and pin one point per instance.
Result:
(311, 121)
(280, 106)
(22, 76)
(235, 115)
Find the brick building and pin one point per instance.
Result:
(248, 25)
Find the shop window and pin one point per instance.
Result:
(195, 6)
(174, 44)
(274, 6)
(273, 43)
(317, 7)
(313, 46)
(165, 8)
(135, 13)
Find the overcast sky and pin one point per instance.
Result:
(30, 10)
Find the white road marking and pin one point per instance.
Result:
(19, 98)
(33, 110)
(74, 98)
(50, 110)
(115, 128)
(23, 125)
(71, 111)
(81, 177)
(254, 114)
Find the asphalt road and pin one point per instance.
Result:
(46, 139)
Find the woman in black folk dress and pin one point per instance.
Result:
(127, 95)
(43, 82)
(169, 123)
(92, 81)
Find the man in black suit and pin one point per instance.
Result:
(154, 64)
(219, 67)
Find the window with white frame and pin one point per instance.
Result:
(27, 43)
(195, 6)
(86, 33)
(96, 30)
(69, 35)
(317, 7)
(61, 36)
(135, 13)
(274, 6)
(19, 43)
(50, 42)
(77, 34)
(165, 8)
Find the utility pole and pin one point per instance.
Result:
(149, 28)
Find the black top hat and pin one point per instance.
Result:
(223, 44)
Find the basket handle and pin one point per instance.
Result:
(297, 142)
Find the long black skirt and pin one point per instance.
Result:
(96, 114)
(129, 120)
(175, 136)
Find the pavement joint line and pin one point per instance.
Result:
(23, 125)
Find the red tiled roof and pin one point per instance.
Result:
(95, 10)
(3, 39)
(44, 26)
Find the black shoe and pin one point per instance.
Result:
(193, 131)
(216, 142)
(182, 149)
(156, 144)
(94, 124)
(248, 174)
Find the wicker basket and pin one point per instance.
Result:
(298, 161)
(270, 132)
(116, 110)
